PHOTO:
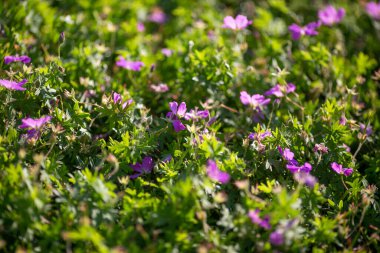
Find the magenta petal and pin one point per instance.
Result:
(173, 107)
(214, 173)
(295, 31)
(348, 172)
(181, 109)
(178, 126)
(245, 98)
(338, 168)
(229, 22)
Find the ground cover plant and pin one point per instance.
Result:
(189, 126)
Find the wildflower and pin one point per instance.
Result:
(195, 114)
(286, 154)
(255, 101)
(259, 136)
(62, 37)
(298, 31)
(145, 167)
(294, 167)
(34, 126)
(239, 23)
(140, 27)
(118, 100)
(338, 168)
(11, 85)
(343, 120)
(214, 173)
(167, 52)
(329, 15)
(131, 65)
(157, 16)
(280, 91)
(159, 88)
(373, 9)
(366, 129)
(321, 148)
(23, 58)
(305, 178)
(255, 218)
(346, 147)
(176, 113)
(276, 238)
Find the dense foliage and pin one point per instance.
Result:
(189, 126)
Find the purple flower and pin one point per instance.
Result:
(286, 154)
(321, 148)
(366, 129)
(279, 90)
(23, 58)
(157, 16)
(176, 110)
(343, 120)
(132, 65)
(373, 9)
(34, 126)
(176, 113)
(239, 23)
(346, 147)
(195, 114)
(117, 99)
(214, 173)
(276, 238)
(259, 136)
(305, 178)
(329, 15)
(254, 101)
(295, 168)
(167, 52)
(298, 31)
(31, 123)
(255, 218)
(160, 88)
(338, 168)
(140, 27)
(177, 125)
(11, 85)
(145, 167)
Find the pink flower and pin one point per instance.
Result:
(157, 16)
(175, 114)
(117, 99)
(329, 15)
(279, 90)
(276, 238)
(195, 114)
(295, 168)
(145, 167)
(321, 148)
(254, 101)
(373, 9)
(131, 65)
(167, 52)
(140, 27)
(338, 168)
(255, 218)
(305, 178)
(239, 23)
(159, 88)
(214, 173)
(11, 85)
(34, 123)
(309, 30)
(23, 58)
(34, 126)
